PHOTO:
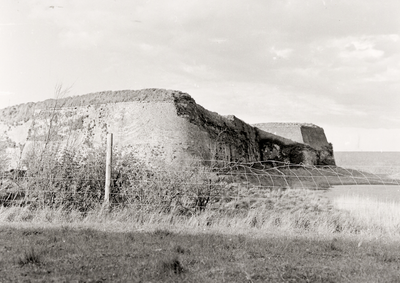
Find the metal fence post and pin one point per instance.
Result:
(108, 168)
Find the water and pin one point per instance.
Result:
(386, 193)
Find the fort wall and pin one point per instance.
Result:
(299, 132)
(157, 126)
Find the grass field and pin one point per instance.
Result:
(295, 236)
(81, 254)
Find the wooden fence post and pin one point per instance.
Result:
(108, 168)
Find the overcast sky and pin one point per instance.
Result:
(332, 63)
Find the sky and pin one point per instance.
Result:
(335, 64)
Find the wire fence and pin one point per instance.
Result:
(201, 185)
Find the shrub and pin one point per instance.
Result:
(162, 189)
(65, 179)
(74, 180)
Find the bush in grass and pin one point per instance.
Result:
(162, 189)
(68, 179)
(74, 180)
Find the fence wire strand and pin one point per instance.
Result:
(195, 185)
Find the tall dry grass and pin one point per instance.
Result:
(291, 212)
(284, 213)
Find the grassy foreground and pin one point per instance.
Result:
(290, 236)
(86, 255)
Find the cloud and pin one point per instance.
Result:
(83, 24)
(359, 48)
(338, 60)
(390, 75)
(281, 53)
